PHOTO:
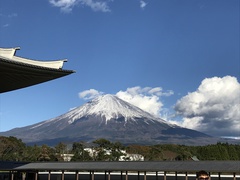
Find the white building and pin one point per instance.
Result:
(67, 157)
(125, 157)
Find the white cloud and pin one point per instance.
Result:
(12, 15)
(89, 94)
(96, 5)
(64, 5)
(6, 19)
(67, 5)
(214, 108)
(6, 25)
(146, 98)
(143, 4)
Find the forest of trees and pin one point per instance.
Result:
(13, 149)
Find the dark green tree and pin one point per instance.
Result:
(232, 152)
(32, 153)
(103, 143)
(11, 149)
(155, 153)
(79, 153)
(60, 149)
(116, 151)
(44, 154)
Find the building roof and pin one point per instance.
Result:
(173, 166)
(17, 72)
(10, 165)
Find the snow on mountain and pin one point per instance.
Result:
(108, 107)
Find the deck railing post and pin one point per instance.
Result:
(145, 175)
(234, 176)
(176, 175)
(76, 175)
(219, 176)
(62, 174)
(36, 175)
(12, 175)
(165, 175)
(126, 177)
(49, 175)
(156, 175)
(92, 175)
(109, 175)
(186, 176)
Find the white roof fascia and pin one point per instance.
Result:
(9, 53)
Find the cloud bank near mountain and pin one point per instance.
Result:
(213, 108)
(147, 98)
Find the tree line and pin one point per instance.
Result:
(13, 149)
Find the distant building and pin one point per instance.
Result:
(125, 157)
(194, 158)
(67, 157)
(132, 157)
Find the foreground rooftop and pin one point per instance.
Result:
(35, 170)
(149, 166)
(17, 72)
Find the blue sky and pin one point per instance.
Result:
(178, 59)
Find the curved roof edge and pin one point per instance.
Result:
(9, 54)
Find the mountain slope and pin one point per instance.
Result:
(107, 117)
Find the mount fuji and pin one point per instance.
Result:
(111, 118)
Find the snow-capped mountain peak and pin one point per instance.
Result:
(109, 107)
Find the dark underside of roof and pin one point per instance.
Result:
(16, 75)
